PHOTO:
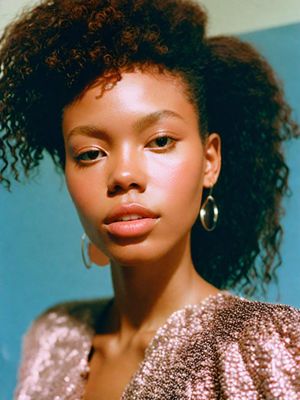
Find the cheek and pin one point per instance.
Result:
(180, 182)
(82, 188)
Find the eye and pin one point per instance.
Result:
(161, 142)
(90, 155)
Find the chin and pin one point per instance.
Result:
(136, 255)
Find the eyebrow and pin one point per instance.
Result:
(86, 130)
(140, 125)
(154, 117)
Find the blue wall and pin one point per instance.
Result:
(40, 260)
(281, 46)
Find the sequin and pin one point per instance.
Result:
(226, 347)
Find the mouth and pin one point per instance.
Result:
(132, 217)
(129, 212)
(130, 220)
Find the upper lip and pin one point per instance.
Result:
(128, 209)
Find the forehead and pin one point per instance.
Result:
(133, 79)
(136, 93)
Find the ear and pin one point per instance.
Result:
(97, 256)
(212, 160)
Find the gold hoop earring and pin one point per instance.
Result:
(85, 251)
(209, 213)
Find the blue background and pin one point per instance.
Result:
(40, 262)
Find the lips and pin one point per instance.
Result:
(130, 220)
(129, 211)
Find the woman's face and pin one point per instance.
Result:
(136, 166)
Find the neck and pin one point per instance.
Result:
(146, 294)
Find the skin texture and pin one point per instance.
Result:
(153, 274)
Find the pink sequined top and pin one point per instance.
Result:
(224, 348)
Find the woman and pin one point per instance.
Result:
(134, 103)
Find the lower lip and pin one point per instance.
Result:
(134, 228)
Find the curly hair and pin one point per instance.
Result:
(53, 52)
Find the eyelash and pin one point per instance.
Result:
(81, 162)
(80, 157)
(167, 146)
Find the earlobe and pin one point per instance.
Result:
(212, 155)
(97, 256)
(91, 254)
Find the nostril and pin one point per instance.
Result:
(121, 188)
(126, 177)
(114, 190)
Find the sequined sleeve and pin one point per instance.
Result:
(55, 350)
(255, 353)
(31, 344)
(225, 348)
(269, 348)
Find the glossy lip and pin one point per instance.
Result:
(132, 228)
(128, 209)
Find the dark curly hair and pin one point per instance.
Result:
(60, 47)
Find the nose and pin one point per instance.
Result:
(127, 172)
